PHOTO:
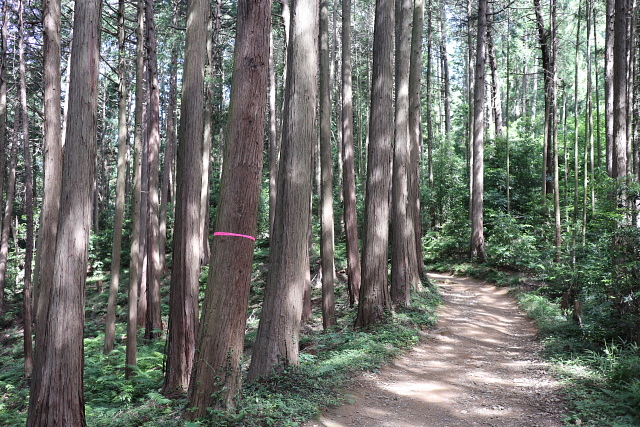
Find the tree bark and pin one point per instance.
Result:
(620, 113)
(348, 147)
(415, 131)
(404, 267)
(169, 148)
(374, 294)
(224, 314)
(4, 33)
(274, 142)
(144, 166)
(116, 252)
(327, 249)
(446, 90)
(52, 148)
(135, 269)
(276, 345)
(477, 204)
(59, 397)
(153, 327)
(28, 199)
(608, 84)
(185, 276)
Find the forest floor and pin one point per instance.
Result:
(478, 367)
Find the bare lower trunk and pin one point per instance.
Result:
(185, 276)
(348, 154)
(277, 343)
(59, 397)
(374, 298)
(326, 187)
(224, 314)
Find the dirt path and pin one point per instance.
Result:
(478, 367)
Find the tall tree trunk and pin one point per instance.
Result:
(415, 131)
(274, 142)
(404, 267)
(169, 148)
(597, 88)
(429, 118)
(135, 269)
(477, 204)
(224, 314)
(326, 186)
(207, 143)
(59, 400)
(337, 90)
(4, 33)
(348, 154)
(620, 106)
(576, 139)
(28, 198)
(374, 294)
(153, 328)
(608, 84)
(185, 276)
(277, 345)
(144, 166)
(507, 111)
(446, 90)
(116, 252)
(52, 148)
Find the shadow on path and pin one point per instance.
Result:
(478, 367)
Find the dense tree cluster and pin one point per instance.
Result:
(157, 140)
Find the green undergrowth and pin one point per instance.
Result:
(601, 379)
(328, 361)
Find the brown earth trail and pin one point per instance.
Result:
(478, 367)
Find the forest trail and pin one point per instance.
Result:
(478, 367)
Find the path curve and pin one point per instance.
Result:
(478, 367)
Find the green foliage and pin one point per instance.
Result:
(602, 381)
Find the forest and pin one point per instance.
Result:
(216, 212)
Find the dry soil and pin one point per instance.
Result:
(478, 367)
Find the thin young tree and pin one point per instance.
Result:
(404, 266)
(8, 210)
(277, 344)
(415, 130)
(4, 33)
(374, 294)
(496, 104)
(224, 313)
(349, 165)
(327, 249)
(57, 397)
(185, 276)
(28, 198)
(116, 252)
(477, 194)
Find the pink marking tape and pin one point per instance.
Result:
(224, 233)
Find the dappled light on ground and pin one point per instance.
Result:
(477, 367)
